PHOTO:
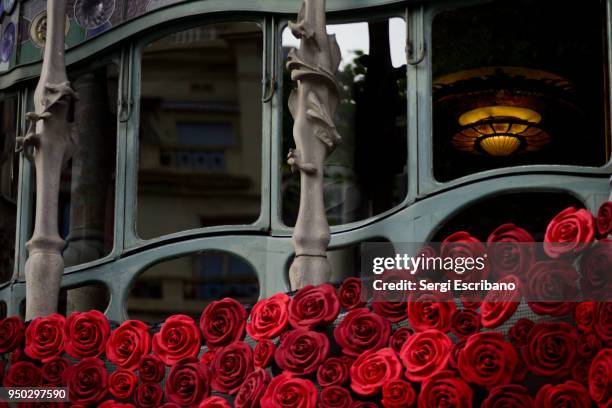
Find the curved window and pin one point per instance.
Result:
(9, 171)
(366, 174)
(518, 83)
(187, 284)
(200, 129)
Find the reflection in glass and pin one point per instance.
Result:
(187, 284)
(200, 129)
(9, 170)
(366, 174)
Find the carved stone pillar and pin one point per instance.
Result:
(312, 105)
(48, 144)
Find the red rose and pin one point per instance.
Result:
(121, 383)
(551, 349)
(398, 394)
(263, 353)
(349, 294)
(362, 330)
(571, 231)
(509, 396)
(588, 345)
(430, 310)
(170, 405)
(465, 322)
(113, 404)
(286, 391)
(314, 306)
(148, 395)
(568, 394)
(373, 369)
(499, 305)
(425, 353)
(519, 332)
(53, 370)
(231, 366)
(395, 312)
(23, 374)
(445, 389)
(600, 378)
(11, 334)
(399, 337)
(602, 316)
(269, 317)
(335, 397)
(86, 334)
(252, 389)
(595, 267)
(334, 371)
(44, 337)
(604, 220)
(207, 357)
(86, 381)
(363, 404)
(462, 245)
(487, 360)
(128, 343)
(301, 351)
(551, 288)
(178, 338)
(188, 383)
(453, 358)
(214, 402)
(511, 251)
(583, 316)
(151, 368)
(223, 322)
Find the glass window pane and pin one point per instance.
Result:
(200, 129)
(9, 170)
(366, 173)
(517, 83)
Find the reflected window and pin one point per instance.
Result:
(518, 83)
(200, 129)
(9, 171)
(187, 284)
(366, 173)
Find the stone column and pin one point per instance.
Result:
(312, 105)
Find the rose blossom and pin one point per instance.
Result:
(214, 402)
(430, 310)
(425, 353)
(113, 404)
(301, 351)
(600, 378)
(148, 395)
(399, 337)
(583, 316)
(364, 404)
(595, 267)
(552, 287)
(286, 391)
(252, 389)
(398, 394)
(188, 382)
(602, 316)
(550, 349)
(462, 245)
(568, 394)
(53, 370)
(12, 331)
(511, 395)
(86, 334)
(121, 383)
(361, 330)
(334, 371)
(335, 397)
(231, 366)
(269, 317)
(314, 306)
(86, 381)
(465, 322)
(223, 322)
(178, 338)
(207, 357)
(445, 389)
(604, 220)
(487, 360)
(23, 374)
(128, 343)
(373, 369)
(453, 358)
(570, 231)
(151, 368)
(511, 250)
(499, 305)
(263, 353)
(44, 337)
(395, 312)
(519, 332)
(587, 345)
(349, 294)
